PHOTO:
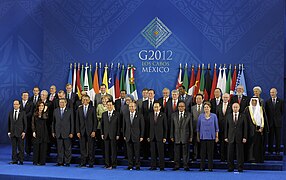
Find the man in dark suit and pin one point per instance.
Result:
(164, 100)
(121, 101)
(147, 108)
(71, 96)
(171, 107)
(62, 95)
(86, 125)
(28, 107)
(236, 136)
(181, 135)
(140, 101)
(63, 129)
(216, 101)
(53, 93)
(222, 111)
(274, 110)
(133, 132)
(17, 126)
(102, 93)
(186, 98)
(110, 124)
(157, 135)
(196, 111)
(239, 98)
(36, 96)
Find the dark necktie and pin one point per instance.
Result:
(109, 116)
(273, 102)
(239, 99)
(15, 115)
(122, 102)
(181, 117)
(35, 100)
(235, 118)
(150, 107)
(156, 117)
(131, 118)
(85, 111)
(69, 97)
(199, 109)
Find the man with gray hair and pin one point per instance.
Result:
(164, 100)
(256, 92)
(239, 98)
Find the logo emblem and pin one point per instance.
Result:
(156, 32)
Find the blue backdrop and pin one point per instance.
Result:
(39, 38)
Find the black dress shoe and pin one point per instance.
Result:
(21, 163)
(230, 170)
(13, 162)
(162, 169)
(82, 165)
(152, 168)
(240, 170)
(277, 153)
(186, 169)
(202, 170)
(59, 164)
(210, 170)
(114, 167)
(67, 165)
(129, 168)
(90, 166)
(175, 169)
(137, 168)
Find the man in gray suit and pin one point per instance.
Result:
(196, 111)
(186, 98)
(139, 102)
(181, 134)
(62, 130)
(103, 92)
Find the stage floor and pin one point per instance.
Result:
(28, 171)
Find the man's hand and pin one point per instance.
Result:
(102, 136)
(117, 137)
(34, 134)
(226, 140)
(172, 139)
(164, 140)
(23, 135)
(92, 134)
(243, 140)
(191, 139)
(9, 134)
(125, 138)
(216, 139)
(71, 136)
(54, 135)
(148, 139)
(141, 139)
(78, 135)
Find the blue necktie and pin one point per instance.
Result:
(62, 113)
(85, 111)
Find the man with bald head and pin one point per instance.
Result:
(274, 108)
(241, 99)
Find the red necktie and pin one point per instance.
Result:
(165, 102)
(175, 106)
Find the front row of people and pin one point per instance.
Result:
(238, 129)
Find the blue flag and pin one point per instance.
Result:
(70, 75)
(99, 74)
(242, 81)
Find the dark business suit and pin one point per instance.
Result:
(16, 127)
(32, 98)
(221, 124)
(188, 101)
(110, 129)
(97, 99)
(29, 109)
(118, 104)
(85, 125)
(133, 132)
(243, 103)
(274, 112)
(182, 132)
(156, 133)
(73, 97)
(63, 126)
(57, 101)
(195, 116)
(214, 105)
(55, 97)
(235, 131)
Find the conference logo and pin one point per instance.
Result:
(155, 60)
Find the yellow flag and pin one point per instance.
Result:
(105, 78)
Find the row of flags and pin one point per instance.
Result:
(226, 80)
(115, 78)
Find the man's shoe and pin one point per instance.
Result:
(186, 169)
(137, 168)
(175, 169)
(13, 162)
(67, 165)
(240, 170)
(129, 168)
(230, 170)
(202, 170)
(162, 169)
(82, 165)
(21, 163)
(59, 164)
(90, 166)
(210, 170)
(152, 168)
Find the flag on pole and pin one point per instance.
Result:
(90, 78)
(208, 84)
(127, 80)
(86, 85)
(192, 82)
(242, 81)
(185, 78)
(228, 82)
(111, 82)
(95, 80)
(133, 89)
(105, 80)
(202, 80)
(70, 74)
(74, 79)
(78, 84)
(233, 82)
(99, 75)
(238, 78)
(179, 81)
(117, 82)
(197, 83)
(221, 82)
(82, 77)
(214, 83)
(122, 80)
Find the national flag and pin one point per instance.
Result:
(192, 82)
(233, 82)
(122, 80)
(117, 83)
(127, 81)
(133, 89)
(70, 75)
(78, 84)
(99, 75)
(90, 78)
(82, 77)
(242, 81)
(221, 82)
(186, 79)
(111, 82)
(95, 80)
(105, 78)
(74, 87)
(202, 80)
(214, 83)
(228, 82)
(197, 83)
(86, 85)
(208, 84)
(179, 80)
(238, 78)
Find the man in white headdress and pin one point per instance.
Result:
(258, 127)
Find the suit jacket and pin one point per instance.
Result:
(73, 99)
(17, 127)
(195, 116)
(97, 99)
(243, 103)
(169, 111)
(146, 111)
(221, 117)
(86, 124)
(181, 130)
(235, 131)
(31, 99)
(159, 128)
(56, 103)
(161, 102)
(274, 112)
(65, 125)
(110, 128)
(55, 97)
(133, 131)
(214, 105)
(29, 109)
(118, 104)
(188, 100)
